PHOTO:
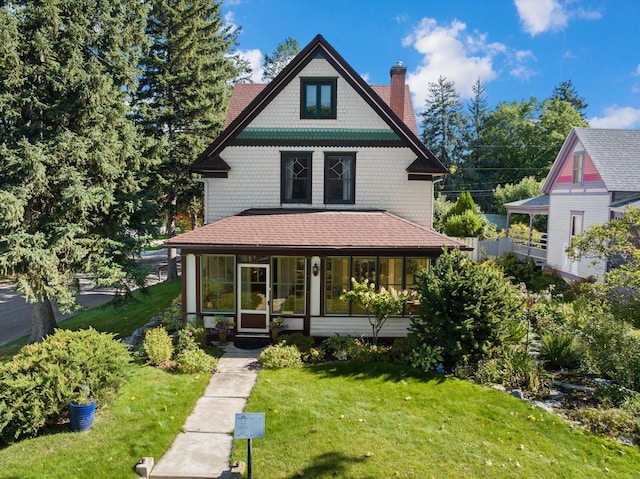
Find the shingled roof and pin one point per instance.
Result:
(316, 230)
(614, 153)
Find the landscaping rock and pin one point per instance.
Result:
(517, 393)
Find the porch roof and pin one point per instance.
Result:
(536, 205)
(314, 230)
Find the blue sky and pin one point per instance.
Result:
(518, 48)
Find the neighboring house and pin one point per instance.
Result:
(317, 177)
(595, 175)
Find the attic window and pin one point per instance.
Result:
(318, 98)
(578, 168)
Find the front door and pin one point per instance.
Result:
(253, 298)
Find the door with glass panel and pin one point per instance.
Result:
(253, 298)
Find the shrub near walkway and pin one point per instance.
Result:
(361, 421)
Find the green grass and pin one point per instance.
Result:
(354, 420)
(119, 318)
(143, 420)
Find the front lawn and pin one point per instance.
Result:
(143, 420)
(374, 420)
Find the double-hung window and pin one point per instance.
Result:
(339, 177)
(318, 98)
(295, 177)
(577, 169)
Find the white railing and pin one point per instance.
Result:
(529, 243)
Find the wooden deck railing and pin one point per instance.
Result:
(533, 244)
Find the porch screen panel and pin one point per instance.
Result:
(218, 279)
(288, 291)
(337, 280)
(390, 276)
(413, 266)
(363, 268)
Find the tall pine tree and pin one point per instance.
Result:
(443, 127)
(70, 186)
(184, 94)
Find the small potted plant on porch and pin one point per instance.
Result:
(82, 410)
(222, 327)
(276, 327)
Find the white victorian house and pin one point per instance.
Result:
(316, 178)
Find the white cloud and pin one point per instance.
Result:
(452, 52)
(254, 57)
(540, 16)
(637, 72)
(617, 117)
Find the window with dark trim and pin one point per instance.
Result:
(339, 177)
(295, 177)
(318, 98)
(218, 283)
(388, 272)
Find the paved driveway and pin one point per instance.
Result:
(15, 313)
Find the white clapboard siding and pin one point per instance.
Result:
(357, 326)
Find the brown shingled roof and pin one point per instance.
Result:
(314, 230)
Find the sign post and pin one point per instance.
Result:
(249, 426)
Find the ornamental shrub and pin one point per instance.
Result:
(467, 309)
(514, 370)
(158, 346)
(37, 385)
(280, 356)
(343, 348)
(191, 361)
(302, 342)
(466, 224)
(561, 349)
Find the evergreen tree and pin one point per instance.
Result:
(443, 127)
(70, 189)
(184, 95)
(282, 55)
(566, 91)
(476, 149)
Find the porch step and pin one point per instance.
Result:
(251, 340)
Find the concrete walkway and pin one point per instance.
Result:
(203, 449)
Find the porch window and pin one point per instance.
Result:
(413, 265)
(577, 170)
(295, 177)
(288, 285)
(218, 280)
(338, 279)
(339, 177)
(318, 98)
(390, 272)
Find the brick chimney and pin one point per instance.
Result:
(397, 89)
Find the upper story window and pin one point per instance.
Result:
(295, 177)
(318, 98)
(339, 177)
(578, 168)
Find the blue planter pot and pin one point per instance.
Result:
(81, 417)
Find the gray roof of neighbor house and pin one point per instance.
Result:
(614, 153)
